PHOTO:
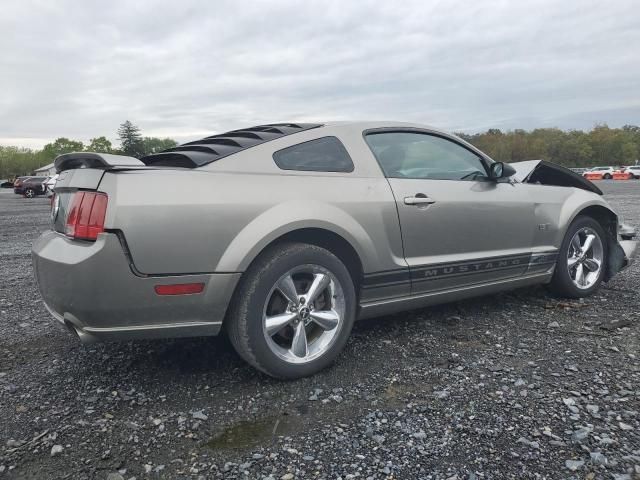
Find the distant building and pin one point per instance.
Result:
(46, 171)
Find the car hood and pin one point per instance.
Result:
(542, 172)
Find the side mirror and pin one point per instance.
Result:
(501, 170)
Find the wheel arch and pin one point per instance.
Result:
(330, 241)
(320, 237)
(310, 222)
(607, 219)
(580, 202)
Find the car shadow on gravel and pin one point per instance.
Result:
(178, 360)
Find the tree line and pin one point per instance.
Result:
(16, 161)
(574, 148)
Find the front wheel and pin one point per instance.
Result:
(582, 259)
(29, 193)
(607, 176)
(293, 311)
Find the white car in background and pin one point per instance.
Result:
(634, 170)
(607, 172)
(50, 184)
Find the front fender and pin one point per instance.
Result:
(575, 205)
(288, 217)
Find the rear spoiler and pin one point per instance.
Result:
(102, 161)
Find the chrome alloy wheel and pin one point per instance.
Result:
(585, 257)
(304, 313)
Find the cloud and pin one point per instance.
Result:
(186, 69)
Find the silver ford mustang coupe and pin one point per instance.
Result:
(283, 235)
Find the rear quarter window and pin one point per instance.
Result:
(325, 154)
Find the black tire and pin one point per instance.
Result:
(607, 176)
(29, 193)
(244, 322)
(562, 284)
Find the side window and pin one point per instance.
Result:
(325, 154)
(424, 156)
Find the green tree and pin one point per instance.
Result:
(629, 153)
(100, 145)
(575, 150)
(16, 161)
(600, 146)
(62, 145)
(130, 140)
(154, 144)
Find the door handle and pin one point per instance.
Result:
(418, 199)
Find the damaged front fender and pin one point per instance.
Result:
(622, 243)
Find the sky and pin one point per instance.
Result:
(186, 69)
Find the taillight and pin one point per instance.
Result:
(86, 215)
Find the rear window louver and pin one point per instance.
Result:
(209, 149)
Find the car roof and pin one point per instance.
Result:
(201, 152)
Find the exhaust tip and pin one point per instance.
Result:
(84, 337)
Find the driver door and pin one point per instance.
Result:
(459, 227)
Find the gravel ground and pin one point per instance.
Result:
(516, 385)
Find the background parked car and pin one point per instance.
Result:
(607, 172)
(579, 170)
(6, 184)
(634, 170)
(31, 186)
(17, 185)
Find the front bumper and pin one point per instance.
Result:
(90, 288)
(630, 249)
(628, 243)
(622, 252)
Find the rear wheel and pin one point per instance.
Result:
(293, 311)
(581, 260)
(607, 176)
(29, 193)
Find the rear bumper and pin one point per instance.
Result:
(90, 288)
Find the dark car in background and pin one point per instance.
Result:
(30, 186)
(17, 184)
